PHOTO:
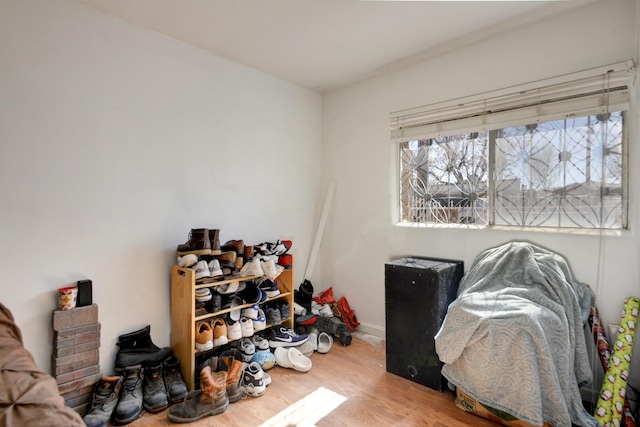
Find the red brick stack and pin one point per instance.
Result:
(76, 355)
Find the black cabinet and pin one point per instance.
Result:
(418, 292)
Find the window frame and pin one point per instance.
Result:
(576, 94)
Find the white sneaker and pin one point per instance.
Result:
(252, 268)
(246, 327)
(260, 323)
(247, 349)
(251, 312)
(269, 268)
(214, 268)
(234, 330)
(202, 270)
(253, 380)
(266, 378)
(235, 314)
(260, 343)
(321, 309)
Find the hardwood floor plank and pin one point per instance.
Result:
(374, 396)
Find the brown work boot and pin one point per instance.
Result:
(211, 399)
(236, 246)
(233, 362)
(248, 253)
(198, 243)
(214, 238)
(228, 259)
(239, 263)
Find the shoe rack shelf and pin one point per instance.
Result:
(184, 318)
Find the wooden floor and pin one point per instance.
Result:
(374, 396)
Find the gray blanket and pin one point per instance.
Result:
(514, 339)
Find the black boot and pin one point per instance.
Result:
(136, 348)
(304, 295)
(176, 388)
(137, 342)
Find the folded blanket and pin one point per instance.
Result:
(514, 339)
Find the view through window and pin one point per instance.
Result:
(561, 173)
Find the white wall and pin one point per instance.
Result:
(361, 235)
(115, 141)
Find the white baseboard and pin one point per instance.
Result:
(375, 330)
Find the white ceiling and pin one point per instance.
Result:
(327, 44)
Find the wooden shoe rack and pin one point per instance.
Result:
(184, 316)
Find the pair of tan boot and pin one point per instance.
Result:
(219, 386)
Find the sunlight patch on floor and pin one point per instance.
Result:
(307, 411)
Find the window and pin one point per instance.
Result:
(552, 154)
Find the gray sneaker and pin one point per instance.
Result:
(285, 312)
(273, 316)
(129, 407)
(105, 399)
(154, 394)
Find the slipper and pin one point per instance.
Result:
(300, 362)
(325, 342)
(282, 357)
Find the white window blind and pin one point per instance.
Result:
(593, 91)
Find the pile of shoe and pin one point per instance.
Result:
(153, 381)
(322, 311)
(213, 261)
(224, 379)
